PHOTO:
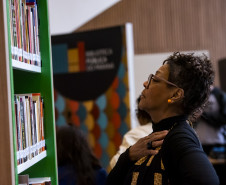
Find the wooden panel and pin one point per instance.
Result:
(175, 25)
(6, 146)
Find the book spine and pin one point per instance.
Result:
(35, 126)
(37, 35)
(18, 25)
(42, 124)
(14, 47)
(23, 129)
(32, 128)
(27, 99)
(32, 37)
(19, 129)
(23, 12)
(26, 127)
(30, 34)
(27, 37)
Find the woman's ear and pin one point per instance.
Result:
(178, 95)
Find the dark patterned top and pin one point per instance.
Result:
(180, 161)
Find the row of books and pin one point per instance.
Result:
(24, 31)
(29, 126)
(25, 180)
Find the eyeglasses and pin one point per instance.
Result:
(153, 77)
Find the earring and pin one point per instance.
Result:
(169, 101)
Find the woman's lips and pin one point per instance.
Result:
(142, 96)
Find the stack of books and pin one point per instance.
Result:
(24, 23)
(29, 126)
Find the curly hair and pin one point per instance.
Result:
(195, 75)
(73, 148)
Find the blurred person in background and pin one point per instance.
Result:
(77, 164)
(211, 126)
(211, 130)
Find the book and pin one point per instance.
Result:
(23, 179)
(17, 130)
(17, 4)
(31, 2)
(13, 30)
(23, 12)
(36, 36)
(42, 124)
(28, 124)
(23, 127)
(36, 98)
(40, 181)
(30, 34)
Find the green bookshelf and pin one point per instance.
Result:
(19, 78)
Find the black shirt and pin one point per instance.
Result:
(180, 161)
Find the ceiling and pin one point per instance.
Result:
(67, 17)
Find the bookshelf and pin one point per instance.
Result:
(33, 161)
(25, 66)
(20, 78)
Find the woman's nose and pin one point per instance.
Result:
(145, 84)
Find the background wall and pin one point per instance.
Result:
(167, 26)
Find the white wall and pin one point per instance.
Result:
(66, 16)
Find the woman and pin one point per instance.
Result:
(174, 95)
(77, 165)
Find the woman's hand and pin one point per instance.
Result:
(140, 149)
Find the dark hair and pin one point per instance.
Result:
(142, 116)
(73, 148)
(195, 75)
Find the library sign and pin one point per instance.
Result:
(91, 85)
(85, 64)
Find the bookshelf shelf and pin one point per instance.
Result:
(25, 67)
(22, 167)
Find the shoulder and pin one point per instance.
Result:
(183, 130)
(182, 138)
